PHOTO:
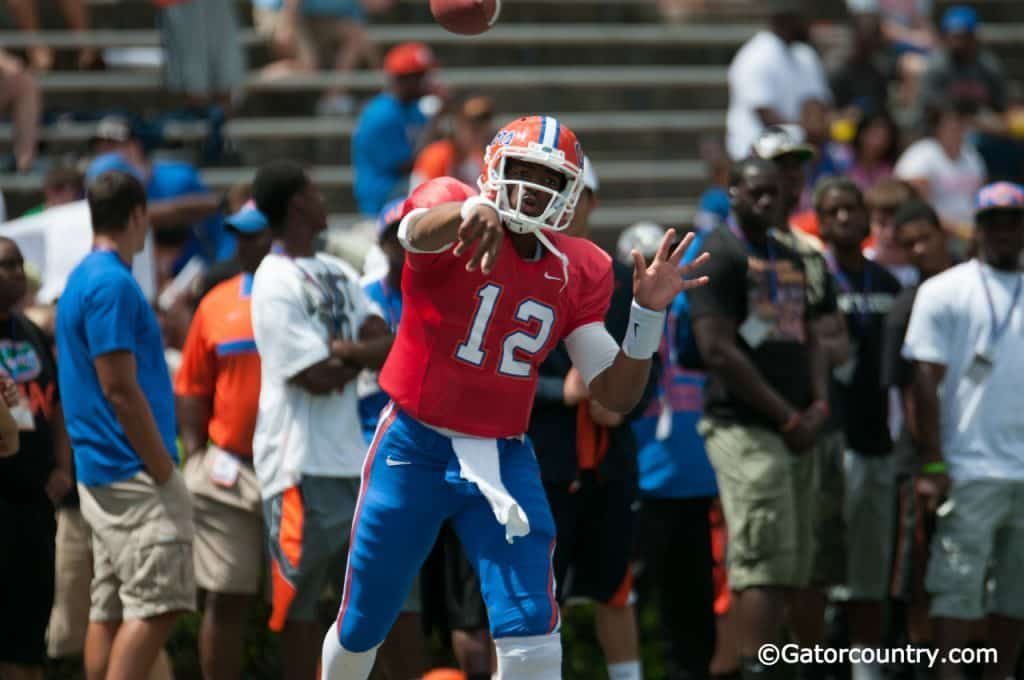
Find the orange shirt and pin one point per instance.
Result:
(220, 360)
(435, 160)
(439, 160)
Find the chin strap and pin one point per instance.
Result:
(562, 257)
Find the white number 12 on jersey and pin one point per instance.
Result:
(471, 350)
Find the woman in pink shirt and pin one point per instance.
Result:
(875, 147)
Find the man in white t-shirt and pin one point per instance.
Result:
(966, 337)
(771, 78)
(315, 332)
(946, 170)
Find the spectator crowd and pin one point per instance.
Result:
(826, 452)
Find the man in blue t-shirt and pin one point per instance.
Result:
(392, 128)
(120, 418)
(183, 212)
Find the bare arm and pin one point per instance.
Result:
(620, 387)
(716, 339)
(443, 224)
(371, 350)
(435, 228)
(830, 333)
(117, 378)
(60, 481)
(925, 394)
(348, 358)
(8, 426)
(182, 211)
(821, 366)
(194, 414)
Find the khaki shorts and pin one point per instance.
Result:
(228, 522)
(870, 514)
(69, 617)
(980, 538)
(767, 496)
(142, 548)
(830, 549)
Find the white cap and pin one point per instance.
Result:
(642, 236)
(590, 175)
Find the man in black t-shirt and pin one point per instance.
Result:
(866, 292)
(31, 481)
(920, 233)
(765, 403)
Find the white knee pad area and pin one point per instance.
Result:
(538, 657)
(337, 663)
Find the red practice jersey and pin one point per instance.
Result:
(467, 350)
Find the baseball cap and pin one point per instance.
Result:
(999, 196)
(959, 19)
(112, 162)
(408, 59)
(642, 236)
(783, 140)
(590, 180)
(113, 129)
(248, 219)
(392, 212)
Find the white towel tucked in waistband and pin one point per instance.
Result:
(480, 465)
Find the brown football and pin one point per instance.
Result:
(466, 17)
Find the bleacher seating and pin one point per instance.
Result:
(638, 91)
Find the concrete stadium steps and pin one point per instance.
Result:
(626, 181)
(614, 135)
(141, 13)
(535, 88)
(524, 44)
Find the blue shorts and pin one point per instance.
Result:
(411, 483)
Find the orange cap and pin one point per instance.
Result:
(409, 58)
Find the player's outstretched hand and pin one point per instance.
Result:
(483, 226)
(657, 284)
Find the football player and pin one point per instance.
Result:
(490, 287)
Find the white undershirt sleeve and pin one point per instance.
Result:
(592, 350)
(403, 233)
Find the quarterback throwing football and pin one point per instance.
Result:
(490, 287)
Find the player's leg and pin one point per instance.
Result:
(565, 501)
(403, 500)
(517, 579)
(467, 614)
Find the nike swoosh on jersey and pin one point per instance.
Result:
(394, 462)
(551, 277)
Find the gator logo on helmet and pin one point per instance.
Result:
(504, 137)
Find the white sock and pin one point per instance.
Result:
(627, 670)
(538, 657)
(340, 664)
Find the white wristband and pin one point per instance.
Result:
(643, 335)
(472, 202)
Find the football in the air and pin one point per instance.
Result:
(466, 17)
